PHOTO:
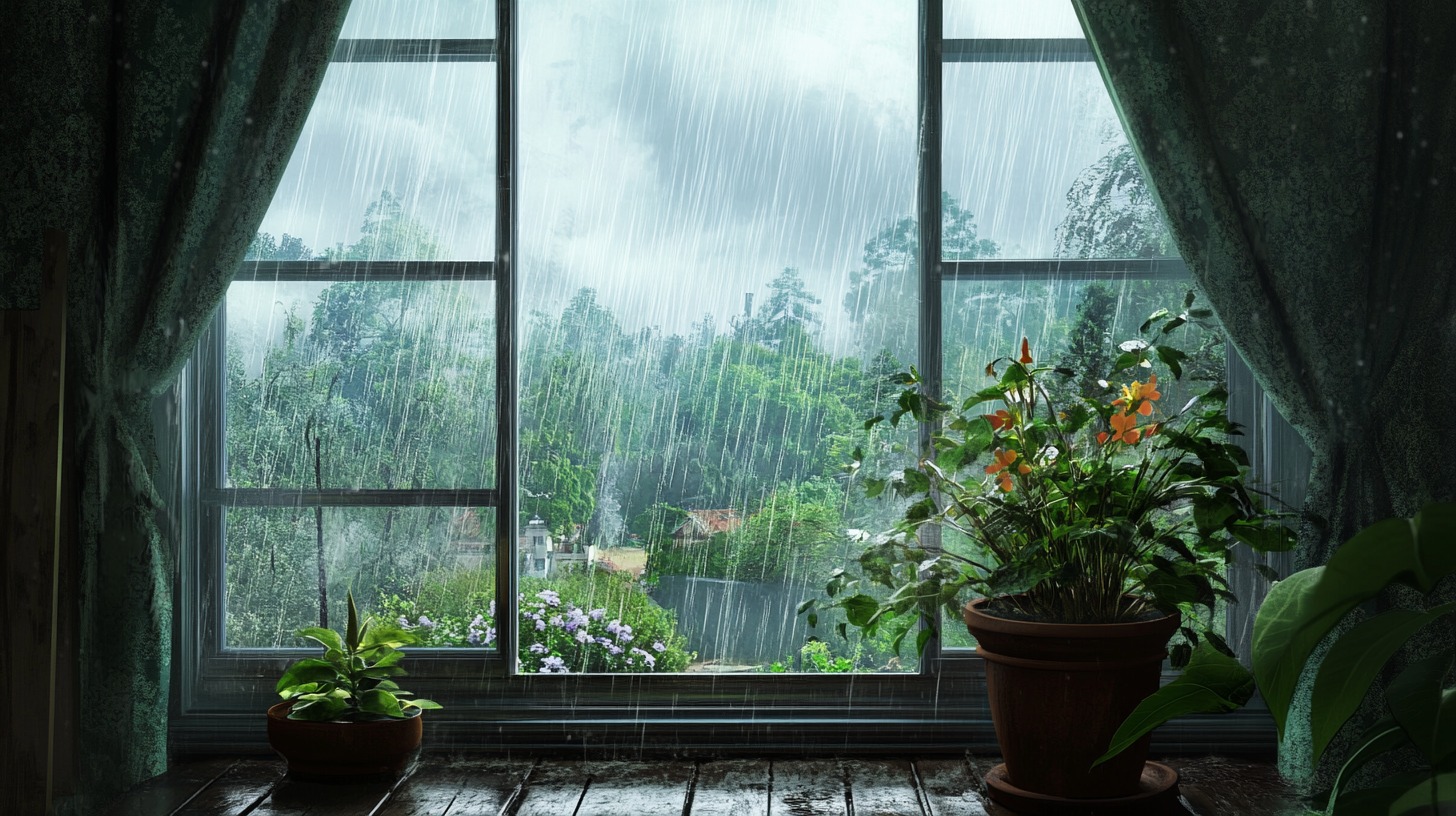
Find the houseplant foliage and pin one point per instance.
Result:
(1064, 507)
(354, 680)
(1421, 710)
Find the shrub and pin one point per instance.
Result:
(579, 621)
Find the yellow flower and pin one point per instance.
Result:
(1140, 394)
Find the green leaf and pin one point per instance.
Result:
(378, 701)
(1446, 727)
(858, 609)
(1414, 697)
(1302, 609)
(1265, 537)
(322, 709)
(1417, 800)
(1352, 664)
(1188, 298)
(423, 704)
(327, 638)
(1383, 736)
(307, 670)
(1213, 682)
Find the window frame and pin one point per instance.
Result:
(221, 692)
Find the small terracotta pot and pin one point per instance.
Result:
(1059, 691)
(341, 750)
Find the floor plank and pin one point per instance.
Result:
(636, 789)
(236, 790)
(163, 794)
(553, 788)
(292, 797)
(732, 787)
(808, 788)
(457, 786)
(950, 788)
(882, 788)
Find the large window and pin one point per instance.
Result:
(566, 318)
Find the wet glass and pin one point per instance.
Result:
(1035, 158)
(998, 19)
(420, 19)
(396, 162)
(717, 260)
(396, 381)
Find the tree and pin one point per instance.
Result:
(787, 318)
(288, 248)
(884, 296)
(1111, 213)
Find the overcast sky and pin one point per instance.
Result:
(675, 155)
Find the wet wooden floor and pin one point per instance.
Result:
(479, 786)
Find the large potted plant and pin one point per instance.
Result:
(1085, 531)
(343, 715)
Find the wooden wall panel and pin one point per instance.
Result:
(32, 396)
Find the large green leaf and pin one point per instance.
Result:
(1446, 727)
(1302, 609)
(379, 701)
(1414, 697)
(1283, 638)
(1425, 797)
(1352, 664)
(327, 638)
(307, 670)
(351, 634)
(1212, 683)
(322, 709)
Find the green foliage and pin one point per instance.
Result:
(1301, 611)
(354, 680)
(797, 530)
(816, 657)
(577, 621)
(1111, 213)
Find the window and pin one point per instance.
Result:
(578, 335)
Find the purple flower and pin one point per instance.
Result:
(549, 596)
(403, 622)
(478, 623)
(540, 625)
(583, 636)
(658, 647)
(490, 635)
(426, 622)
(492, 607)
(474, 637)
(614, 628)
(575, 619)
(598, 614)
(613, 649)
(556, 621)
(553, 665)
(539, 648)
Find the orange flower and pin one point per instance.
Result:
(1123, 429)
(1004, 459)
(1025, 352)
(1000, 419)
(1142, 394)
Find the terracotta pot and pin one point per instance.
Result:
(340, 750)
(1058, 693)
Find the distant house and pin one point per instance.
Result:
(701, 525)
(540, 555)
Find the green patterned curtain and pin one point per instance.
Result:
(153, 132)
(1304, 154)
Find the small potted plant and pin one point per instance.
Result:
(343, 715)
(1086, 532)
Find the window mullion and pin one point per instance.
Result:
(505, 303)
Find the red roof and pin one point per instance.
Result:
(704, 523)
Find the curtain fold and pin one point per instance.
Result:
(1304, 155)
(153, 132)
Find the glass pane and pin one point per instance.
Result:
(395, 162)
(396, 382)
(1037, 166)
(998, 19)
(420, 19)
(393, 559)
(1077, 325)
(718, 263)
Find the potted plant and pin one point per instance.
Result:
(343, 715)
(1302, 610)
(1086, 531)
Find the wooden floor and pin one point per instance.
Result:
(475, 786)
